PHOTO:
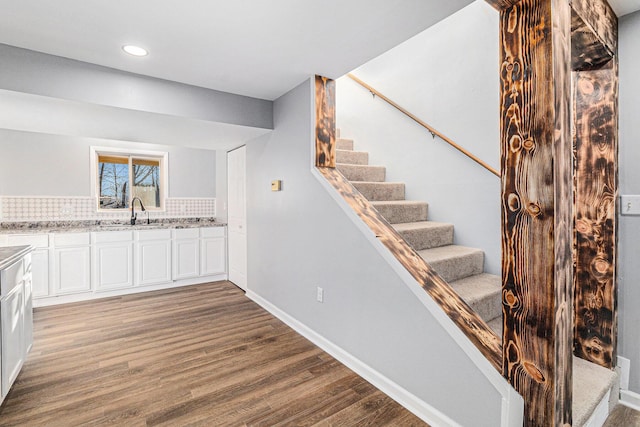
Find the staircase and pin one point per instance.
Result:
(595, 389)
(462, 267)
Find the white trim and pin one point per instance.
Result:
(164, 170)
(630, 399)
(600, 414)
(421, 409)
(625, 367)
(91, 295)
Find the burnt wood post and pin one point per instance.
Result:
(595, 110)
(537, 187)
(325, 122)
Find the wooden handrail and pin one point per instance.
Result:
(432, 130)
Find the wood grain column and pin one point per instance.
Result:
(596, 193)
(537, 183)
(325, 122)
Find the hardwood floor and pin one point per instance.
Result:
(622, 416)
(202, 355)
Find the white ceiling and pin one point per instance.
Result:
(623, 7)
(258, 48)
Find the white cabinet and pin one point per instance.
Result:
(71, 263)
(39, 259)
(112, 260)
(16, 321)
(152, 257)
(186, 253)
(213, 251)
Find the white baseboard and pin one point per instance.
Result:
(630, 399)
(625, 367)
(91, 295)
(421, 409)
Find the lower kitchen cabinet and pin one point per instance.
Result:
(16, 321)
(186, 253)
(112, 260)
(152, 257)
(213, 251)
(39, 260)
(71, 263)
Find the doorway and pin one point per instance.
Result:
(237, 216)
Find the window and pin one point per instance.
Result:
(119, 177)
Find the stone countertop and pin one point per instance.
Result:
(44, 227)
(11, 254)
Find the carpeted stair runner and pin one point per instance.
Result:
(461, 266)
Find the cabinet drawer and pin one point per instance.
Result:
(111, 236)
(163, 234)
(11, 277)
(212, 232)
(35, 240)
(186, 233)
(71, 239)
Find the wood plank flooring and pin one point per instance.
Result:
(201, 355)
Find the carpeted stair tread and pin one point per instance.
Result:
(344, 144)
(590, 385)
(426, 234)
(399, 211)
(454, 262)
(352, 157)
(380, 191)
(482, 292)
(362, 172)
(496, 325)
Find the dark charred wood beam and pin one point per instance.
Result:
(588, 49)
(502, 4)
(596, 192)
(459, 311)
(325, 122)
(537, 184)
(599, 19)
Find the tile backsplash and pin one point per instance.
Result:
(43, 208)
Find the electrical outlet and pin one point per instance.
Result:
(320, 294)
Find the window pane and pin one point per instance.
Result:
(113, 181)
(146, 181)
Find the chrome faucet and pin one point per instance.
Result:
(134, 215)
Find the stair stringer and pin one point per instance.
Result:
(465, 327)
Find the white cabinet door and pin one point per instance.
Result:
(186, 258)
(213, 258)
(112, 265)
(28, 302)
(71, 270)
(40, 272)
(153, 262)
(13, 351)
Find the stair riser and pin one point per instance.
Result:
(352, 157)
(428, 238)
(344, 144)
(396, 214)
(380, 191)
(489, 307)
(363, 173)
(458, 268)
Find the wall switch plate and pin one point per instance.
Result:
(630, 205)
(276, 185)
(320, 294)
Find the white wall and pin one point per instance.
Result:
(36, 164)
(447, 76)
(301, 238)
(629, 226)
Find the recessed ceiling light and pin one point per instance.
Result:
(135, 50)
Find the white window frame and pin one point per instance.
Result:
(163, 156)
